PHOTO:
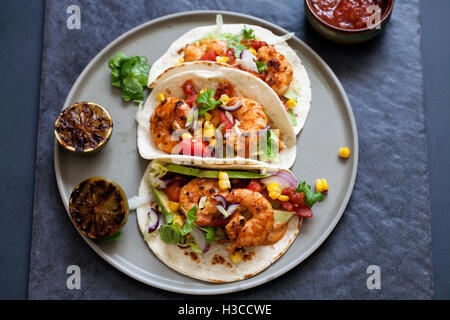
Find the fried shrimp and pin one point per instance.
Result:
(252, 119)
(279, 71)
(195, 51)
(170, 114)
(253, 231)
(191, 194)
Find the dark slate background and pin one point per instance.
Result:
(385, 223)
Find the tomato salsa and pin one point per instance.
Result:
(347, 14)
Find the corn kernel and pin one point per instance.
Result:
(160, 97)
(291, 103)
(235, 257)
(213, 142)
(224, 184)
(344, 152)
(223, 176)
(179, 61)
(321, 185)
(225, 99)
(208, 125)
(186, 135)
(283, 198)
(207, 116)
(209, 133)
(179, 221)
(274, 187)
(174, 206)
(253, 51)
(203, 90)
(274, 194)
(222, 59)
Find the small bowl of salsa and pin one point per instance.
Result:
(348, 21)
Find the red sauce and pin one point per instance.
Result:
(347, 14)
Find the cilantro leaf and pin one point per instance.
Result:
(247, 33)
(191, 217)
(310, 197)
(129, 74)
(262, 66)
(169, 233)
(210, 233)
(205, 102)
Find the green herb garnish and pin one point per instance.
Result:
(247, 33)
(205, 102)
(130, 75)
(262, 66)
(191, 217)
(310, 197)
(170, 233)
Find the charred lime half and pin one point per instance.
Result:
(83, 127)
(98, 207)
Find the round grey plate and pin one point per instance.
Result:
(329, 126)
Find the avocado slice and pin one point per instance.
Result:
(201, 173)
(163, 202)
(282, 216)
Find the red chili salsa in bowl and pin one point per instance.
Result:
(347, 14)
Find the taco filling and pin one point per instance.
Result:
(216, 123)
(197, 208)
(245, 52)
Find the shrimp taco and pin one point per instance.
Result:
(251, 48)
(220, 226)
(216, 118)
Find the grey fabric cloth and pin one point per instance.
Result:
(387, 221)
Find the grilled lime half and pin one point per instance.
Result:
(98, 208)
(83, 127)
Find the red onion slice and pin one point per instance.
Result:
(222, 200)
(263, 131)
(231, 108)
(154, 216)
(247, 61)
(232, 208)
(200, 239)
(283, 178)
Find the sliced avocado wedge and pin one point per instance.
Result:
(282, 216)
(163, 202)
(290, 94)
(201, 173)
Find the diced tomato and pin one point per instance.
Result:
(304, 212)
(224, 119)
(189, 88)
(194, 147)
(190, 100)
(210, 55)
(296, 203)
(231, 56)
(255, 185)
(256, 44)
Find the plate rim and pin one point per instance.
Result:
(239, 285)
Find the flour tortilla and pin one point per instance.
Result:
(244, 85)
(166, 66)
(202, 268)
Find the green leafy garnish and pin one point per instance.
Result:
(205, 102)
(310, 197)
(191, 216)
(292, 118)
(262, 66)
(114, 237)
(170, 233)
(247, 33)
(129, 74)
(270, 147)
